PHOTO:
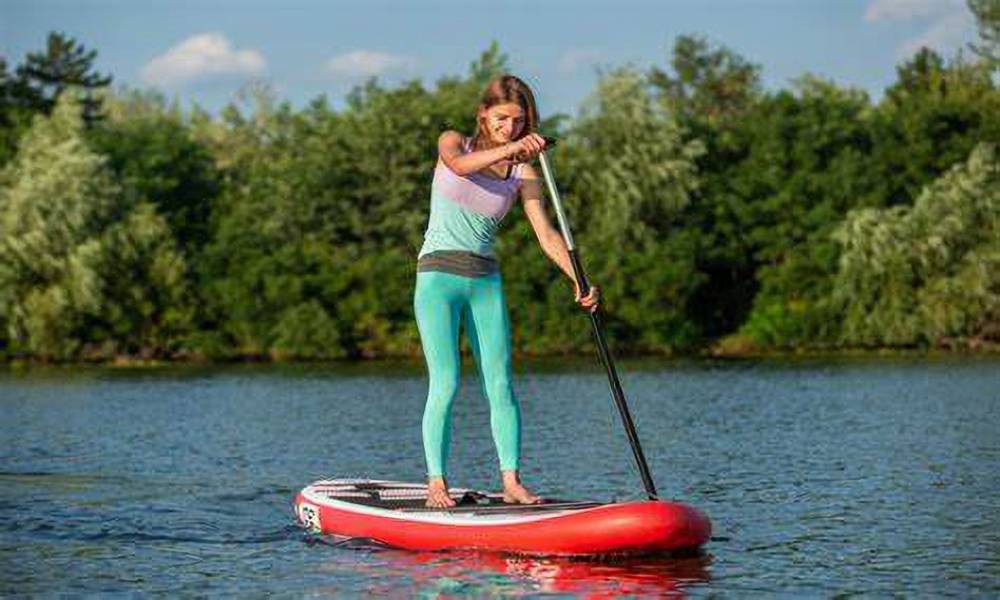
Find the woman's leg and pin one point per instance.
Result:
(488, 329)
(489, 336)
(438, 303)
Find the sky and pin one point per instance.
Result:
(204, 51)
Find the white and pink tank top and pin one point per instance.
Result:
(466, 211)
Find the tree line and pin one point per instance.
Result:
(716, 215)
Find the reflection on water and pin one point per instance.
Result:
(481, 574)
(821, 478)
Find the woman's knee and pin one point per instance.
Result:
(443, 388)
(500, 392)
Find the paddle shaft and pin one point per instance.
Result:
(598, 328)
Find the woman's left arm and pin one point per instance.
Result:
(549, 239)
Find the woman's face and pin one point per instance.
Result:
(503, 122)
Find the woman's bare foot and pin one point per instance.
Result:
(437, 493)
(514, 491)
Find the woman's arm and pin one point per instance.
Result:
(549, 239)
(450, 151)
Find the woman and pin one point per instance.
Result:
(458, 277)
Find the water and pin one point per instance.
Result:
(821, 477)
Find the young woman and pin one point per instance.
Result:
(458, 277)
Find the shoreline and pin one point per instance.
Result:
(709, 354)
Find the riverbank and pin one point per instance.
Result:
(720, 352)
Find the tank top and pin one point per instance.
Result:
(465, 215)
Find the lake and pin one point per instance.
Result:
(821, 476)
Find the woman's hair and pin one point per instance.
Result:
(508, 88)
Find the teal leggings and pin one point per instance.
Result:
(441, 302)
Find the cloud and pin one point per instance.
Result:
(201, 56)
(367, 63)
(575, 58)
(898, 10)
(949, 23)
(948, 32)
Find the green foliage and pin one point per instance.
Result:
(912, 276)
(64, 64)
(630, 175)
(151, 150)
(15, 116)
(56, 200)
(630, 160)
(705, 207)
(805, 166)
(710, 85)
(835, 154)
(930, 120)
(82, 265)
(713, 91)
(306, 331)
(147, 306)
(310, 198)
(987, 13)
(36, 84)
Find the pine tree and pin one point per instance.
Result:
(64, 64)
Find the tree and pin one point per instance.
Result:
(65, 63)
(15, 116)
(627, 174)
(85, 267)
(56, 199)
(315, 204)
(930, 273)
(151, 149)
(805, 167)
(931, 119)
(709, 84)
(34, 86)
(987, 13)
(148, 308)
(713, 92)
(8, 133)
(323, 213)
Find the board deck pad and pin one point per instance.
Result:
(412, 497)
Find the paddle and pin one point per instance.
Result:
(598, 327)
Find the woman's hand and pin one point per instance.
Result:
(591, 301)
(527, 148)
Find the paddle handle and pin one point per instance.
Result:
(598, 329)
(581, 278)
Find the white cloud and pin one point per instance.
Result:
(946, 33)
(575, 58)
(896, 10)
(367, 63)
(949, 23)
(199, 57)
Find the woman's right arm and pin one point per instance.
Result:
(450, 152)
